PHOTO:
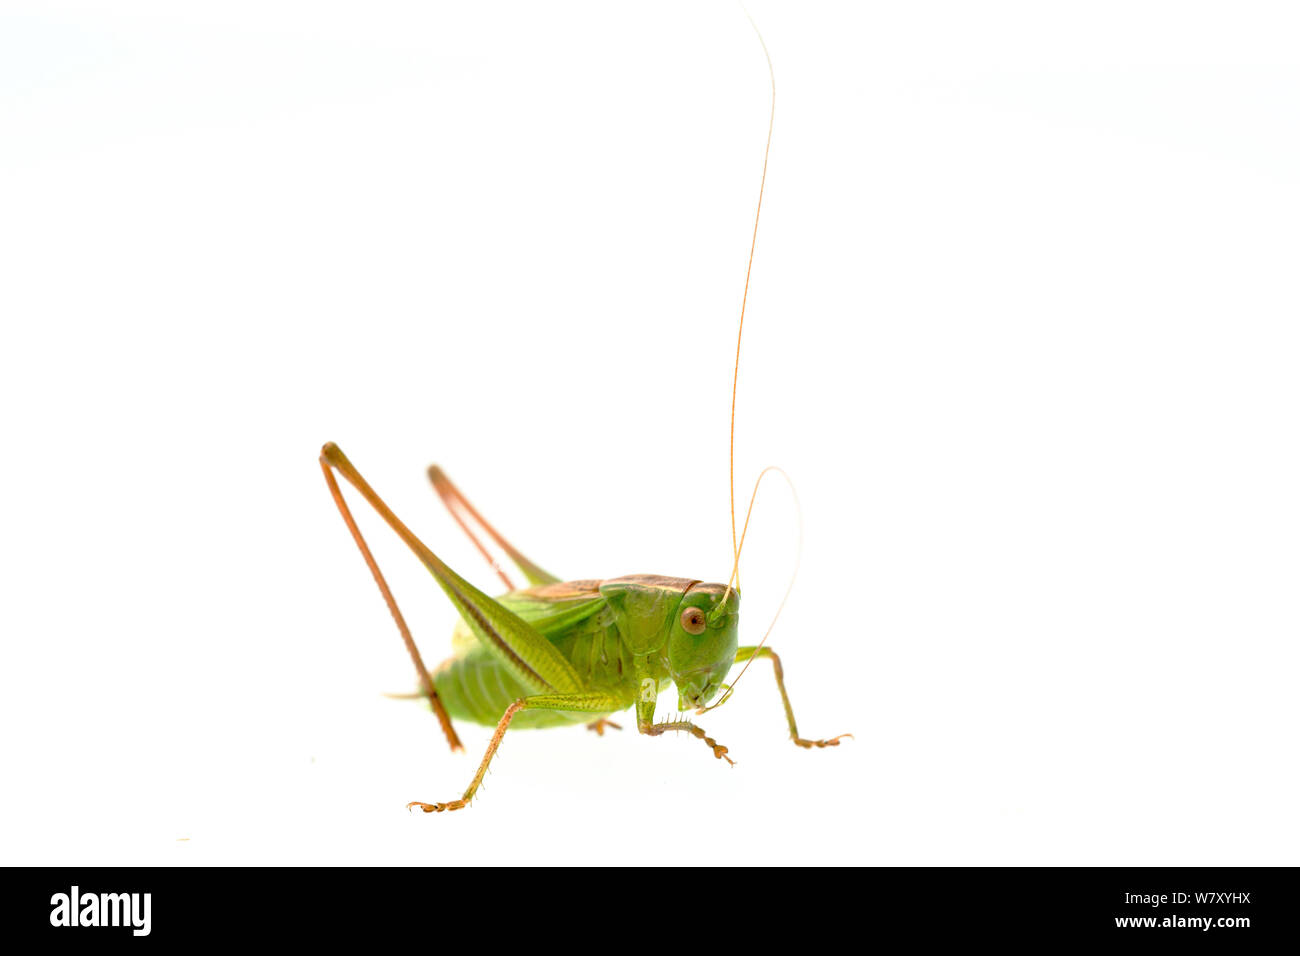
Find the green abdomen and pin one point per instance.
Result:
(474, 686)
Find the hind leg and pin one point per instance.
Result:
(327, 463)
(461, 509)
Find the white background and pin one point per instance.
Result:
(1022, 329)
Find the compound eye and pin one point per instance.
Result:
(693, 620)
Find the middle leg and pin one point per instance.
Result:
(580, 703)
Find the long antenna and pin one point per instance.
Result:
(740, 332)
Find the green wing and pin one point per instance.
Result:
(551, 609)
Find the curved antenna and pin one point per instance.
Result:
(794, 573)
(740, 332)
